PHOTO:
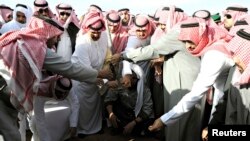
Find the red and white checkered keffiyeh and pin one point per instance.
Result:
(62, 7)
(201, 35)
(22, 55)
(5, 11)
(240, 48)
(120, 38)
(236, 14)
(93, 19)
(42, 4)
(144, 20)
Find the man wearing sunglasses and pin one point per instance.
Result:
(41, 8)
(232, 14)
(67, 17)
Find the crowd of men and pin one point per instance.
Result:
(166, 76)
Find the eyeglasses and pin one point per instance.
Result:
(228, 16)
(64, 13)
(43, 11)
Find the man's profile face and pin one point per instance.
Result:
(20, 17)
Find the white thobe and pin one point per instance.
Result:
(92, 54)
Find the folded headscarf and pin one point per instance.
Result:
(42, 4)
(5, 11)
(143, 22)
(120, 37)
(93, 20)
(203, 36)
(62, 7)
(239, 46)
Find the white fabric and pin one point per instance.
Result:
(64, 48)
(214, 66)
(134, 42)
(13, 24)
(74, 70)
(92, 55)
(50, 121)
(140, 87)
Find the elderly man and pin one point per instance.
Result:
(21, 17)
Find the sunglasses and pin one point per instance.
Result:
(43, 11)
(228, 16)
(141, 30)
(64, 13)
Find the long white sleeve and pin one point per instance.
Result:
(212, 64)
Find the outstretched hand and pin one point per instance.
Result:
(157, 125)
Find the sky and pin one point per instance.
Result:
(140, 6)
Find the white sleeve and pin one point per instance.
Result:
(133, 43)
(55, 63)
(212, 64)
(74, 107)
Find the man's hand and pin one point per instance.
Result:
(112, 84)
(204, 134)
(129, 127)
(105, 73)
(99, 82)
(115, 59)
(158, 125)
(113, 120)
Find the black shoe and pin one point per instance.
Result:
(81, 135)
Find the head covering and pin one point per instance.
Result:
(42, 4)
(130, 22)
(239, 47)
(241, 23)
(120, 37)
(204, 14)
(143, 22)
(93, 20)
(235, 11)
(197, 31)
(22, 55)
(216, 17)
(95, 8)
(14, 24)
(5, 11)
(62, 7)
(113, 18)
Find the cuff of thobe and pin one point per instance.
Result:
(168, 118)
